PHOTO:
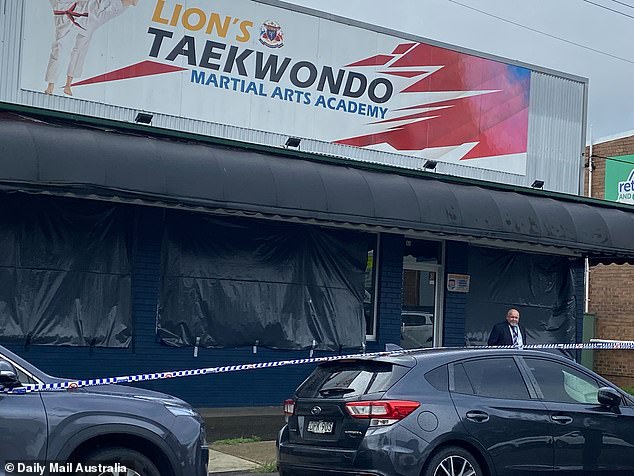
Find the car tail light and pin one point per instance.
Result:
(381, 412)
(289, 407)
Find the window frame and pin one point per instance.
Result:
(371, 334)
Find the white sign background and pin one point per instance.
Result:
(125, 41)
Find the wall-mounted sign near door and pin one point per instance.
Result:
(458, 283)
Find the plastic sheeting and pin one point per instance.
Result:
(540, 287)
(229, 283)
(64, 272)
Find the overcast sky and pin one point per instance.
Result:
(611, 73)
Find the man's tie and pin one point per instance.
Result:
(514, 332)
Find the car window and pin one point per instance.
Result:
(22, 376)
(417, 319)
(560, 383)
(349, 379)
(461, 381)
(498, 378)
(438, 378)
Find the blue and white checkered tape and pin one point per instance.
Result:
(74, 384)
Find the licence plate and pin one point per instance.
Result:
(321, 427)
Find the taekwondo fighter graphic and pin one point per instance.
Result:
(80, 18)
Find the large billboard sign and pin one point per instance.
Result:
(619, 179)
(262, 67)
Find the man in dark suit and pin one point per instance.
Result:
(508, 332)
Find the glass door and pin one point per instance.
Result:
(419, 305)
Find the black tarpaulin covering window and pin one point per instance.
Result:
(64, 272)
(540, 287)
(240, 282)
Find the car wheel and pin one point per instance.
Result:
(136, 464)
(453, 461)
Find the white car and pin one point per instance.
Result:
(417, 329)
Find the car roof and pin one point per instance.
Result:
(440, 355)
(451, 354)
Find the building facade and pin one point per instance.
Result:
(188, 195)
(109, 271)
(610, 296)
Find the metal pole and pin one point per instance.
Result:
(587, 262)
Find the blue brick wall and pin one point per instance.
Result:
(148, 354)
(390, 287)
(146, 272)
(456, 258)
(248, 388)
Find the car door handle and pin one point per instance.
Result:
(561, 419)
(477, 416)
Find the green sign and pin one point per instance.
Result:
(619, 179)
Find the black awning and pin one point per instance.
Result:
(85, 161)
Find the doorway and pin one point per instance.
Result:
(421, 304)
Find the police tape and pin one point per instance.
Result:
(595, 344)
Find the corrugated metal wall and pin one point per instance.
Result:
(555, 136)
(556, 132)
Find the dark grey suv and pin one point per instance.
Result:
(149, 433)
(457, 412)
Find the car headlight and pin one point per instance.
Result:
(178, 410)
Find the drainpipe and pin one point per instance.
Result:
(587, 262)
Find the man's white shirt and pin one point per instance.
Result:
(520, 339)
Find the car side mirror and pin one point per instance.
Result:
(609, 397)
(8, 375)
